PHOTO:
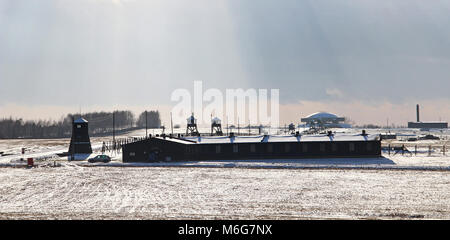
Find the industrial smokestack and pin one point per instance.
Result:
(417, 112)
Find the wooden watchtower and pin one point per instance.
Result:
(216, 127)
(192, 129)
(291, 128)
(80, 141)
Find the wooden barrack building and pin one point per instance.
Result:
(169, 148)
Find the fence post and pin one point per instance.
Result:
(443, 150)
(429, 150)
(389, 149)
(415, 150)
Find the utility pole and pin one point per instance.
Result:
(227, 124)
(73, 145)
(114, 127)
(146, 124)
(171, 123)
(238, 126)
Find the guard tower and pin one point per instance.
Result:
(192, 129)
(80, 142)
(216, 127)
(292, 128)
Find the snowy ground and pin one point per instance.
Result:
(74, 192)
(394, 186)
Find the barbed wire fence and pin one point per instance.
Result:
(429, 150)
(115, 147)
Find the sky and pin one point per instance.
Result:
(368, 60)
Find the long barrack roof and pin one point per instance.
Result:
(274, 138)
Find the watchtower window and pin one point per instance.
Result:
(78, 126)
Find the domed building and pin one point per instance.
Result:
(325, 120)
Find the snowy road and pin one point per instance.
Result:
(74, 192)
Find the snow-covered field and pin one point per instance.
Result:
(394, 186)
(74, 192)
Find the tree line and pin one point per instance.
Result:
(99, 123)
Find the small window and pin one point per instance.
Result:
(269, 148)
(78, 126)
(287, 147)
(132, 154)
(252, 148)
(218, 149)
(322, 147)
(205, 148)
(189, 149)
(304, 147)
(235, 148)
(334, 147)
(351, 147)
(369, 147)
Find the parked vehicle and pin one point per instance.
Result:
(100, 158)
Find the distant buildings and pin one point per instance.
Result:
(426, 125)
(325, 120)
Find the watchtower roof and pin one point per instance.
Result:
(80, 120)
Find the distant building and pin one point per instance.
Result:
(325, 120)
(426, 125)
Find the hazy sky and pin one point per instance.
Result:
(365, 59)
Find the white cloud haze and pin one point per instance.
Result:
(338, 55)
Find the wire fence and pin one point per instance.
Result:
(116, 146)
(431, 150)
